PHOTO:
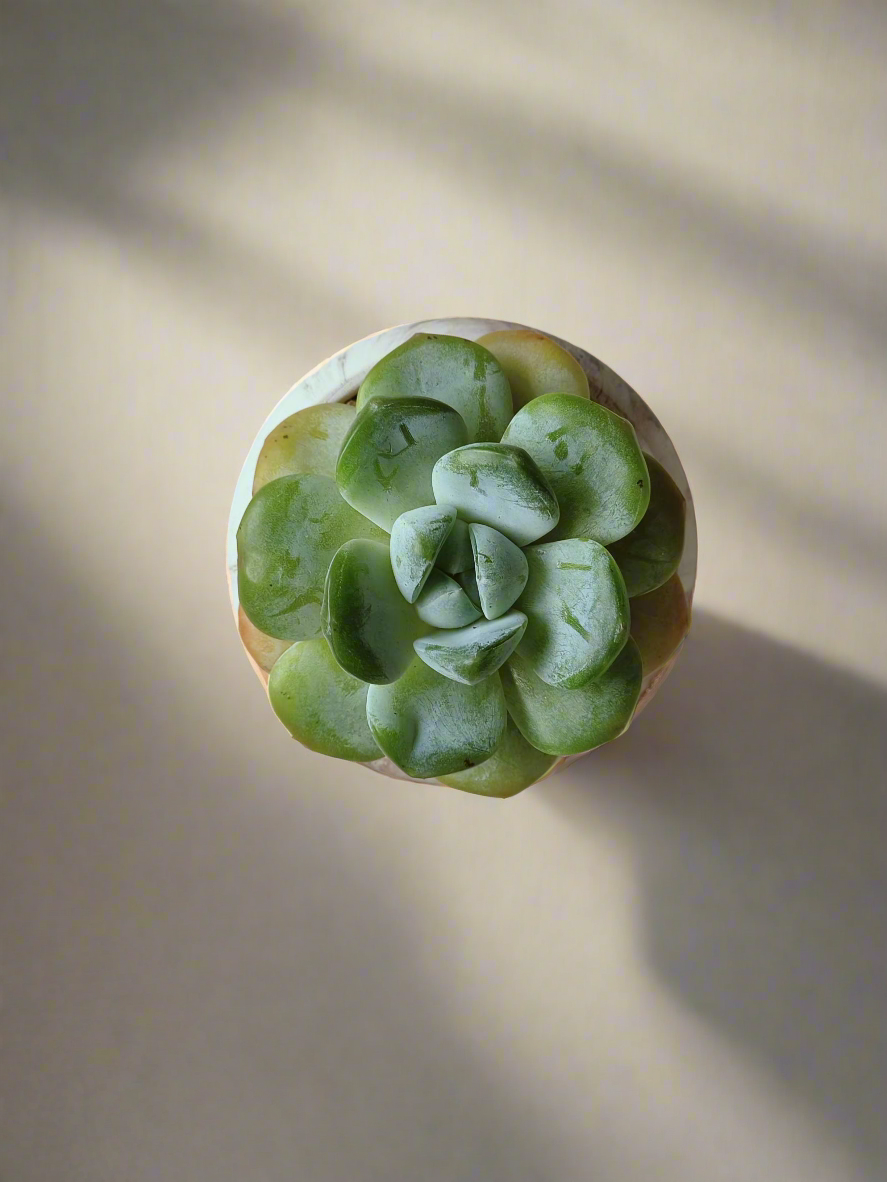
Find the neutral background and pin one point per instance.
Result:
(225, 958)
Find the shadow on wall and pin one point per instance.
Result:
(597, 181)
(94, 92)
(89, 89)
(204, 977)
(754, 792)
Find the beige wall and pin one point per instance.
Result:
(225, 958)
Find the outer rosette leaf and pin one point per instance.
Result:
(535, 365)
(577, 611)
(514, 766)
(306, 443)
(320, 704)
(432, 726)
(651, 553)
(570, 721)
(463, 374)
(384, 467)
(369, 625)
(285, 542)
(659, 622)
(591, 459)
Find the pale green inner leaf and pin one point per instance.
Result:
(416, 539)
(468, 580)
(472, 653)
(500, 569)
(499, 486)
(444, 604)
(456, 554)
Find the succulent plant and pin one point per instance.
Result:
(469, 570)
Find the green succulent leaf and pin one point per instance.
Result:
(535, 365)
(460, 373)
(577, 611)
(416, 539)
(513, 766)
(497, 485)
(306, 443)
(500, 569)
(288, 535)
(591, 459)
(320, 704)
(369, 625)
(659, 622)
(651, 553)
(432, 726)
(456, 554)
(384, 467)
(569, 721)
(472, 653)
(444, 604)
(468, 581)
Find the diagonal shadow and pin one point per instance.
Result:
(602, 186)
(90, 90)
(205, 978)
(754, 793)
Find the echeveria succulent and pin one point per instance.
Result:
(470, 571)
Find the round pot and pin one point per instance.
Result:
(337, 380)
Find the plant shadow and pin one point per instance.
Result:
(753, 792)
(207, 975)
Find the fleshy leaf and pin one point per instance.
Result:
(514, 765)
(285, 542)
(263, 649)
(468, 581)
(473, 653)
(368, 623)
(320, 704)
(570, 721)
(577, 611)
(385, 464)
(659, 622)
(460, 373)
(651, 553)
(500, 569)
(306, 443)
(431, 726)
(535, 365)
(499, 486)
(444, 604)
(456, 554)
(416, 540)
(591, 459)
